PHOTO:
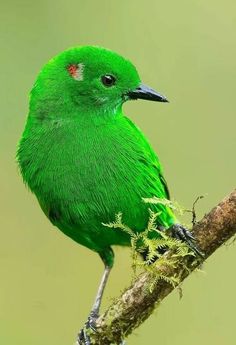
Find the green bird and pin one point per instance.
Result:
(86, 161)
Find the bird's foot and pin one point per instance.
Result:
(89, 326)
(179, 232)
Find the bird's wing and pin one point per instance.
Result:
(164, 183)
(152, 163)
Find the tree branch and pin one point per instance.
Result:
(137, 302)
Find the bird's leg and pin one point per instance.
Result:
(179, 232)
(83, 337)
(96, 306)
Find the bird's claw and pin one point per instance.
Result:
(182, 234)
(90, 325)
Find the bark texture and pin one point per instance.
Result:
(137, 302)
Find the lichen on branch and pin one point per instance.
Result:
(138, 301)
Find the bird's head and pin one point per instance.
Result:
(89, 78)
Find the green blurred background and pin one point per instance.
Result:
(184, 49)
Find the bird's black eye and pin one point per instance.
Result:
(108, 80)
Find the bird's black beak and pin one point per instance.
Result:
(145, 92)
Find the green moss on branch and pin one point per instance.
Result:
(137, 302)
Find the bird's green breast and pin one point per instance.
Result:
(84, 174)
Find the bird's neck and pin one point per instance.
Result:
(49, 110)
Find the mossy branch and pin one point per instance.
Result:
(137, 302)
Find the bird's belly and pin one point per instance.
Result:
(93, 203)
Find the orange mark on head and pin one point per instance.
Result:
(73, 69)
